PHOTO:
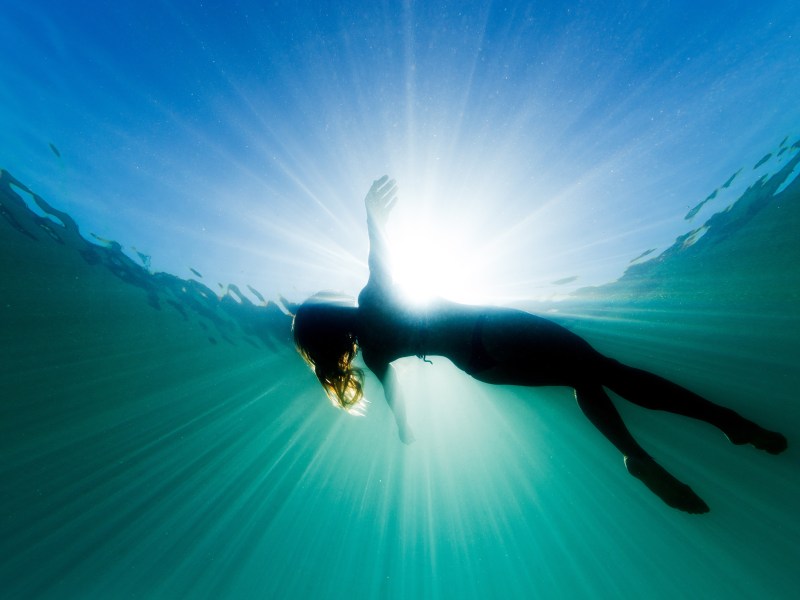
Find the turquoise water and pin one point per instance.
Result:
(175, 175)
(161, 442)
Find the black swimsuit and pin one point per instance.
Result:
(422, 341)
(479, 360)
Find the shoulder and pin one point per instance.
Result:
(373, 293)
(377, 300)
(381, 292)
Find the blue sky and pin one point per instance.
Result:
(533, 141)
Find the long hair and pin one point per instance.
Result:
(325, 340)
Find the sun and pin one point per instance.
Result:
(428, 261)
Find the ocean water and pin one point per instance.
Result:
(174, 178)
(159, 441)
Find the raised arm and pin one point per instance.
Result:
(379, 202)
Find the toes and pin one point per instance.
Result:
(692, 503)
(770, 441)
(763, 439)
(672, 491)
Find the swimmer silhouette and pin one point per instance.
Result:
(499, 346)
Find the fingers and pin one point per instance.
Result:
(381, 198)
(384, 186)
(377, 184)
(388, 193)
(383, 192)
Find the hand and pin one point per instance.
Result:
(406, 435)
(380, 199)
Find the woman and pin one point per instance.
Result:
(495, 345)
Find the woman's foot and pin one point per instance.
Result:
(675, 493)
(763, 439)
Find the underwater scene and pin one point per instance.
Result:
(177, 177)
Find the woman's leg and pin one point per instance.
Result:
(528, 350)
(602, 413)
(656, 393)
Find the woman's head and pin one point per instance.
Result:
(324, 336)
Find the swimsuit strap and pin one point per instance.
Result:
(422, 340)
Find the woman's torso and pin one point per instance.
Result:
(390, 328)
(497, 345)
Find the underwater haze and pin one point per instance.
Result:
(175, 176)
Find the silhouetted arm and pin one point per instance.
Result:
(394, 398)
(379, 202)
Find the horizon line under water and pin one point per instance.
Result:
(773, 172)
